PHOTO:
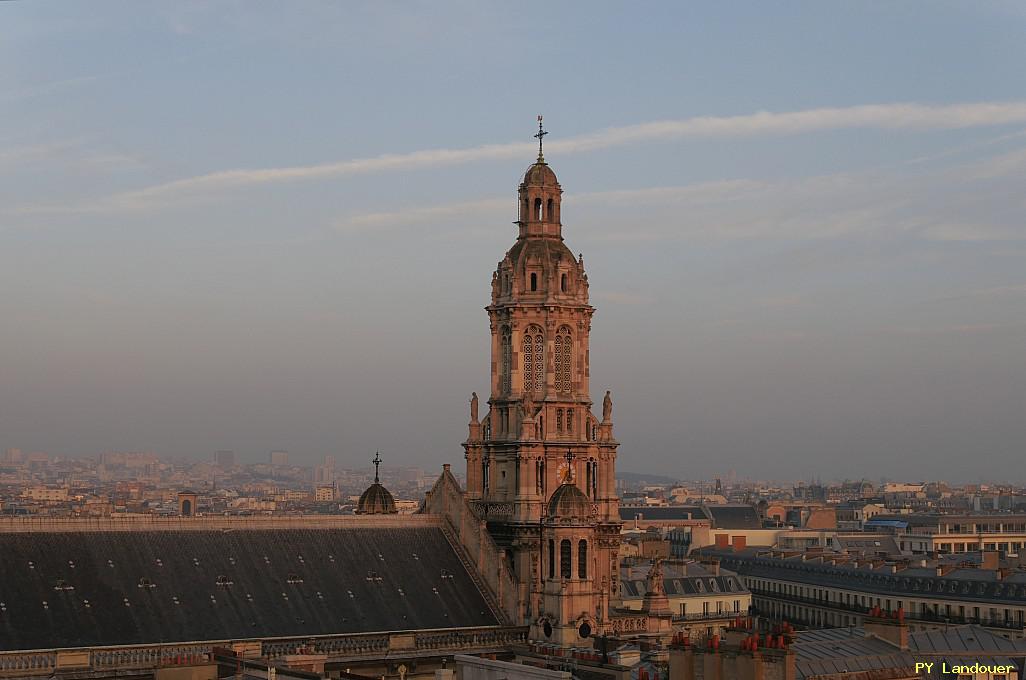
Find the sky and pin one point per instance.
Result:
(272, 225)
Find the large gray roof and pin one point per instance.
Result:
(77, 589)
(911, 582)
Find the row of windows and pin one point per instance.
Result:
(533, 350)
(565, 424)
(551, 210)
(566, 558)
(707, 608)
(912, 608)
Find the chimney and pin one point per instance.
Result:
(711, 565)
(722, 541)
(890, 630)
(740, 543)
(989, 560)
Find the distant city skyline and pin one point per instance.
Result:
(252, 228)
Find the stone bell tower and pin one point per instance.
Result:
(539, 435)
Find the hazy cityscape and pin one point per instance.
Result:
(348, 340)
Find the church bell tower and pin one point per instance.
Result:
(539, 436)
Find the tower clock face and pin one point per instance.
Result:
(565, 472)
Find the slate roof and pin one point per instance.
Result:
(734, 516)
(838, 650)
(691, 579)
(731, 516)
(79, 589)
(911, 582)
(656, 513)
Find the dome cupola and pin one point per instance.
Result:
(376, 500)
(540, 195)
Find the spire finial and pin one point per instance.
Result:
(377, 462)
(541, 134)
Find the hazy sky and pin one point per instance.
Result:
(258, 225)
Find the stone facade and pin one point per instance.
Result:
(540, 434)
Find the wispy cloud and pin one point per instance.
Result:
(952, 204)
(423, 214)
(880, 116)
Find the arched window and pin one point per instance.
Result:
(562, 283)
(565, 559)
(564, 358)
(582, 559)
(552, 558)
(548, 210)
(559, 420)
(534, 359)
(534, 282)
(507, 360)
(569, 421)
(537, 209)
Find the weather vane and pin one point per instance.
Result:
(541, 134)
(377, 462)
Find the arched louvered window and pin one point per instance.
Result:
(565, 559)
(564, 359)
(534, 359)
(582, 559)
(507, 360)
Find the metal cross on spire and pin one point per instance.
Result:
(377, 462)
(541, 134)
